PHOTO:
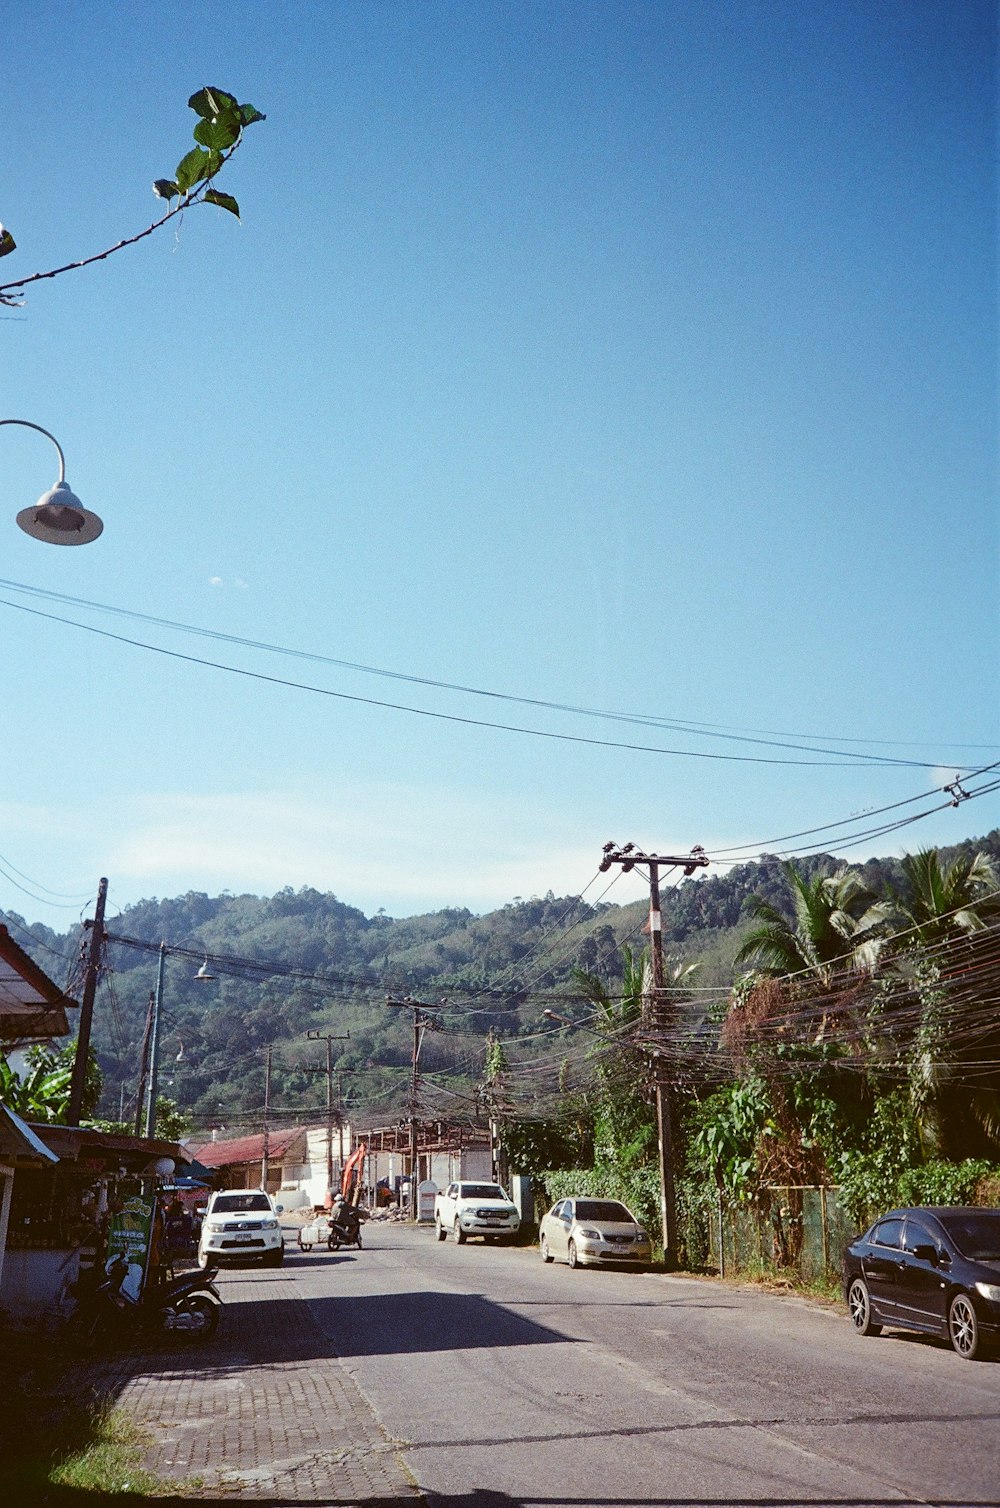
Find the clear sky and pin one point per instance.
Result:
(637, 357)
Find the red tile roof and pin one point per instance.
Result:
(226, 1154)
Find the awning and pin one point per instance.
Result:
(32, 1006)
(19, 1144)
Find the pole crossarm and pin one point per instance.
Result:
(629, 856)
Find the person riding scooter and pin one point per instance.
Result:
(345, 1224)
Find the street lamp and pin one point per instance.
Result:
(59, 517)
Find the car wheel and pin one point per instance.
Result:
(203, 1317)
(203, 1260)
(571, 1256)
(963, 1327)
(440, 1230)
(860, 1306)
(275, 1258)
(543, 1247)
(458, 1233)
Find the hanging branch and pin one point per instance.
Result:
(222, 121)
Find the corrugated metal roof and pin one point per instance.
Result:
(225, 1154)
(31, 1004)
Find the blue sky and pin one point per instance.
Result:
(634, 357)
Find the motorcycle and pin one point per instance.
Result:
(186, 1306)
(345, 1226)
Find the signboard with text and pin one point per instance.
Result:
(130, 1236)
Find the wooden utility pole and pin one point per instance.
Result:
(629, 857)
(329, 1038)
(421, 1024)
(78, 1080)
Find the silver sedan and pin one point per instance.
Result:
(593, 1232)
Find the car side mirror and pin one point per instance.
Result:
(925, 1252)
(279, 1209)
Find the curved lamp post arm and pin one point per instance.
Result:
(27, 424)
(59, 517)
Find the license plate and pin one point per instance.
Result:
(243, 1238)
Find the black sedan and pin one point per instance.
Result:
(933, 1270)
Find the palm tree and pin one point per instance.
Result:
(954, 1095)
(637, 983)
(943, 901)
(835, 922)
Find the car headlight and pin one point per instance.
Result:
(642, 1235)
(590, 1235)
(269, 1225)
(989, 1291)
(214, 1225)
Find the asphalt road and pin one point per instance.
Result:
(512, 1382)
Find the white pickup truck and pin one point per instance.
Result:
(474, 1209)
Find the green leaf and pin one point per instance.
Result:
(220, 132)
(249, 114)
(192, 169)
(210, 102)
(7, 242)
(224, 201)
(165, 188)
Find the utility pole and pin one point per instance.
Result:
(421, 1024)
(78, 1080)
(267, 1110)
(154, 1047)
(140, 1099)
(628, 857)
(329, 1038)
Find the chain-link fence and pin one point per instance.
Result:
(791, 1227)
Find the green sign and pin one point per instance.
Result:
(129, 1236)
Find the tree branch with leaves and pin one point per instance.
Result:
(222, 121)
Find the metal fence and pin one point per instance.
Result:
(797, 1227)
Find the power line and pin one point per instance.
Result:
(839, 761)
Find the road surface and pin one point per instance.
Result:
(512, 1382)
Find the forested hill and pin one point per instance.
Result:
(303, 960)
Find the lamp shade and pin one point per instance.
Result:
(59, 518)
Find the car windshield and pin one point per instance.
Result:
(239, 1204)
(976, 1233)
(602, 1209)
(482, 1191)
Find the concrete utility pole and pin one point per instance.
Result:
(421, 1024)
(78, 1080)
(152, 1081)
(629, 857)
(267, 1112)
(329, 1038)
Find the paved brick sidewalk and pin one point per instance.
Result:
(262, 1411)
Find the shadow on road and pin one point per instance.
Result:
(407, 1323)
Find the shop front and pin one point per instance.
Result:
(62, 1211)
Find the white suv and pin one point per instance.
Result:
(241, 1223)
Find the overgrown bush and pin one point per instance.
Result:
(942, 1182)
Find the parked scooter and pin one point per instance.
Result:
(345, 1225)
(186, 1306)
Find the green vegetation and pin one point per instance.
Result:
(58, 1437)
(823, 1025)
(219, 131)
